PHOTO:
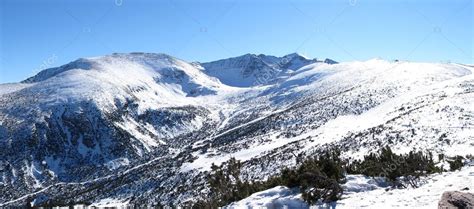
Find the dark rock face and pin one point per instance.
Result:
(456, 199)
(330, 61)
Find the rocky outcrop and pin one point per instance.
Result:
(454, 199)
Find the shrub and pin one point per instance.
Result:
(387, 164)
(456, 163)
(319, 177)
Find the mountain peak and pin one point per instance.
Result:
(295, 54)
(91, 62)
(330, 61)
(250, 69)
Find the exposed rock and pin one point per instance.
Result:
(454, 199)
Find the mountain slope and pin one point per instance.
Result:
(83, 118)
(331, 101)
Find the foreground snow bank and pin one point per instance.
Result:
(277, 197)
(364, 192)
(361, 183)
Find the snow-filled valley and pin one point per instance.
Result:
(145, 128)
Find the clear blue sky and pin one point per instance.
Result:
(38, 34)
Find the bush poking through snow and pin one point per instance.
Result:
(456, 163)
(402, 170)
(226, 186)
(317, 178)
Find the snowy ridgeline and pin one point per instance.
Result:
(157, 123)
(365, 192)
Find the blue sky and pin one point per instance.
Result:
(40, 34)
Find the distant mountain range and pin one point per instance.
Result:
(144, 128)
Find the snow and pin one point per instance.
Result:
(12, 87)
(253, 70)
(104, 201)
(35, 173)
(365, 192)
(117, 163)
(277, 197)
(132, 127)
(204, 161)
(420, 82)
(110, 202)
(361, 183)
(159, 80)
(53, 165)
(420, 78)
(426, 196)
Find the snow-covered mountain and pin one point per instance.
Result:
(98, 112)
(143, 128)
(252, 70)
